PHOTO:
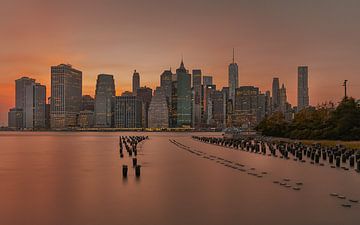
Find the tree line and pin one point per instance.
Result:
(325, 122)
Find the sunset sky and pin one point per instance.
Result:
(270, 37)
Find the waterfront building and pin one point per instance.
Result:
(158, 110)
(86, 119)
(24, 99)
(104, 100)
(15, 118)
(127, 112)
(275, 94)
(66, 95)
(39, 106)
(145, 95)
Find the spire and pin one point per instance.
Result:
(233, 59)
(182, 62)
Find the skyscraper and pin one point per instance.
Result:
(233, 79)
(66, 93)
(24, 99)
(158, 110)
(283, 99)
(166, 84)
(197, 95)
(275, 94)
(183, 92)
(135, 82)
(303, 88)
(127, 113)
(39, 106)
(104, 100)
(145, 95)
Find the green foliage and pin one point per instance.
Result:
(323, 122)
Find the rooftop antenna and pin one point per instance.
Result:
(345, 87)
(233, 59)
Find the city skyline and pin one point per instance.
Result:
(270, 39)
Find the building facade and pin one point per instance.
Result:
(233, 79)
(197, 98)
(303, 88)
(135, 82)
(183, 97)
(145, 95)
(15, 119)
(127, 112)
(66, 95)
(158, 110)
(104, 101)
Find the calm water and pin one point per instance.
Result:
(75, 178)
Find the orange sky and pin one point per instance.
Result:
(271, 38)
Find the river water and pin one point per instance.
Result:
(76, 178)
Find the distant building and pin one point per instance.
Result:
(24, 99)
(207, 80)
(166, 85)
(135, 82)
(233, 79)
(87, 103)
(303, 88)
(275, 94)
(158, 110)
(39, 106)
(128, 112)
(145, 95)
(104, 101)
(127, 93)
(218, 102)
(86, 119)
(183, 97)
(66, 95)
(249, 107)
(208, 104)
(15, 118)
(197, 95)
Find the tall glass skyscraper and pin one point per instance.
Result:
(24, 99)
(197, 95)
(303, 87)
(66, 94)
(275, 94)
(233, 79)
(183, 97)
(128, 112)
(104, 100)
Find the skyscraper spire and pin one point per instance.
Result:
(233, 59)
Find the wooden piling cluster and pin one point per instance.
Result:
(130, 144)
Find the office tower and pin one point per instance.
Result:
(275, 94)
(15, 118)
(47, 115)
(166, 85)
(158, 110)
(104, 100)
(303, 88)
(87, 103)
(233, 79)
(209, 89)
(145, 95)
(197, 95)
(135, 82)
(39, 106)
(183, 92)
(24, 99)
(228, 111)
(249, 107)
(127, 112)
(218, 101)
(207, 80)
(283, 99)
(66, 94)
(268, 103)
(86, 119)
